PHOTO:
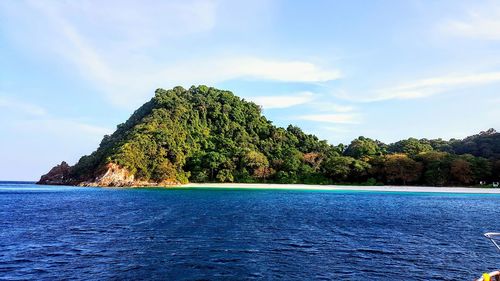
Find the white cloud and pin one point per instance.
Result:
(19, 106)
(63, 127)
(225, 68)
(295, 71)
(330, 106)
(340, 118)
(130, 23)
(431, 86)
(424, 87)
(487, 29)
(125, 55)
(270, 102)
(122, 86)
(336, 129)
(41, 139)
(479, 24)
(22, 116)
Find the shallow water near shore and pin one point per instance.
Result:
(189, 234)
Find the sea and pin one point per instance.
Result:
(72, 233)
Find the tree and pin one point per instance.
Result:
(411, 147)
(496, 170)
(314, 159)
(337, 168)
(165, 171)
(437, 173)
(461, 171)
(436, 167)
(401, 168)
(213, 160)
(377, 168)
(485, 144)
(441, 145)
(363, 147)
(263, 172)
(481, 169)
(359, 170)
(432, 156)
(225, 175)
(292, 160)
(207, 134)
(258, 162)
(255, 159)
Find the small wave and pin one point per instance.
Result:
(226, 260)
(374, 251)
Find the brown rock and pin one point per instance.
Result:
(59, 175)
(111, 175)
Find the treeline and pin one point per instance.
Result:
(208, 135)
(426, 162)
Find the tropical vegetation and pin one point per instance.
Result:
(204, 134)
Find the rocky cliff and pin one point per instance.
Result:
(59, 175)
(111, 175)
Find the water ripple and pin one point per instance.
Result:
(86, 233)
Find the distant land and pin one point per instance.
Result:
(207, 135)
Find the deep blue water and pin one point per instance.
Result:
(54, 233)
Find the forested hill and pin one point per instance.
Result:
(208, 135)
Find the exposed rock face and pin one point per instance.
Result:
(59, 175)
(111, 175)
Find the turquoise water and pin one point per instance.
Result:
(60, 233)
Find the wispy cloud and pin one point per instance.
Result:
(272, 102)
(288, 71)
(340, 130)
(20, 106)
(219, 69)
(102, 45)
(23, 116)
(424, 87)
(332, 107)
(340, 118)
(481, 23)
(495, 100)
(59, 127)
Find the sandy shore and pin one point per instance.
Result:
(346, 187)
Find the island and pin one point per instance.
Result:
(207, 135)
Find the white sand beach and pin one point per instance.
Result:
(345, 187)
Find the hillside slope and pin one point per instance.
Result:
(201, 134)
(208, 135)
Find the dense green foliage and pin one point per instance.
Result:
(208, 135)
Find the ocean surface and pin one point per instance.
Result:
(61, 233)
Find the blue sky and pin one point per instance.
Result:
(70, 71)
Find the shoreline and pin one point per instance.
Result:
(386, 188)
